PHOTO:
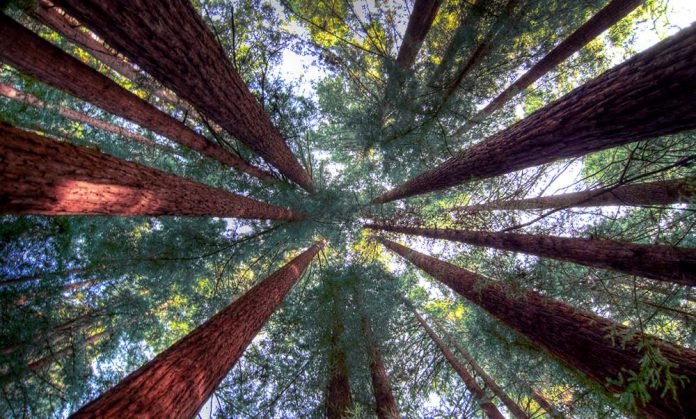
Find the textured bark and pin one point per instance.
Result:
(647, 96)
(603, 20)
(14, 94)
(486, 405)
(339, 400)
(579, 339)
(70, 29)
(169, 40)
(422, 17)
(661, 262)
(514, 409)
(42, 176)
(678, 191)
(384, 398)
(179, 380)
(30, 54)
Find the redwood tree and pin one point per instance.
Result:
(26, 98)
(486, 405)
(384, 398)
(179, 380)
(603, 20)
(169, 40)
(422, 16)
(30, 54)
(43, 176)
(339, 400)
(579, 339)
(661, 262)
(647, 96)
(513, 407)
(665, 192)
(51, 16)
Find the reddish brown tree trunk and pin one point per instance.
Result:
(647, 96)
(488, 408)
(70, 29)
(650, 193)
(42, 176)
(14, 94)
(422, 17)
(170, 41)
(661, 262)
(179, 380)
(512, 407)
(339, 400)
(384, 398)
(603, 20)
(30, 54)
(579, 339)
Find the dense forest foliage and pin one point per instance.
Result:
(87, 299)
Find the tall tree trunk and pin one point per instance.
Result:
(70, 29)
(384, 398)
(179, 380)
(42, 176)
(647, 96)
(170, 41)
(512, 407)
(486, 405)
(28, 99)
(579, 339)
(30, 54)
(660, 262)
(422, 17)
(339, 400)
(665, 192)
(478, 54)
(464, 35)
(550, 409)
(603, 20)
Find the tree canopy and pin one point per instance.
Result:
(338, 121)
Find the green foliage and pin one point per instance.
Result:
(143, 283)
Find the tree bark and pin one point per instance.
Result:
(384, 398)
(486, 405)
(647, 96)
(514, 409)
(70, 29)
(579, 339)
(660, 262)
(603, 20)
(419, 23)
(28, 99)
(30, 54)
(42, 176)
(170, 41)
(179, 380)
(665, 192)
(339, 400)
